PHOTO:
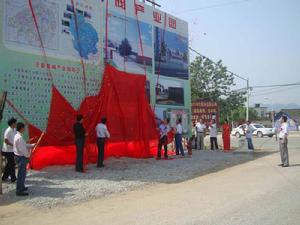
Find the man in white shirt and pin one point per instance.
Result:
(102, 134)
(8, 151)
(22, 153)
(178, 138)
(249, 134)
(283, 142)
(213, 132)
(200, 134)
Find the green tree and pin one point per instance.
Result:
(238, 114)
(212, 81)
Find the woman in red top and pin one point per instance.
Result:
(226, 135)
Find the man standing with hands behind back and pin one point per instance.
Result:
(8, 151)
(102, 134)
(283, 142)
(80, 134)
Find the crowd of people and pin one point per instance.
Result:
(201, 129)
(199, 132)
(17, 151)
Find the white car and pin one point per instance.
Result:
(259, 130)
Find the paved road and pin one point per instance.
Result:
(255, 193)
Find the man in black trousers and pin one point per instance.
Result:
(8, 151)
(80, 135)
(102, 134)
(163, 138)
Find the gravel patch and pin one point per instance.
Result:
(55, 186)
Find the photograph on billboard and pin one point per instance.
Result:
(169, 92)
(124, 49)
(171, 54)
(162, 113)
(59, 23)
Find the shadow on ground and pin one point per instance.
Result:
(57, 185)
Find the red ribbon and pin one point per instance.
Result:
(159, 61)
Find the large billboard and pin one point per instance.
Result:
(74, 40)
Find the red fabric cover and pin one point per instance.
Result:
(122, 99)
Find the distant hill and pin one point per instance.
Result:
(278, 107)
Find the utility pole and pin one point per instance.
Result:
(273, 112)
(248, 100)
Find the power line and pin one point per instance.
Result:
(264, 90)
(213, 6)
(270, 88)
(234, 74)
(277, 85)
(273, 92)
(273, 88)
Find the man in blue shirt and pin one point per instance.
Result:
(163, 139)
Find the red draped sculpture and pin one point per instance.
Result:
(131, 122)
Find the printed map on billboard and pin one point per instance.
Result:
(56, 22)
(20, 29)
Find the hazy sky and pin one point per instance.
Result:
(258, 39)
